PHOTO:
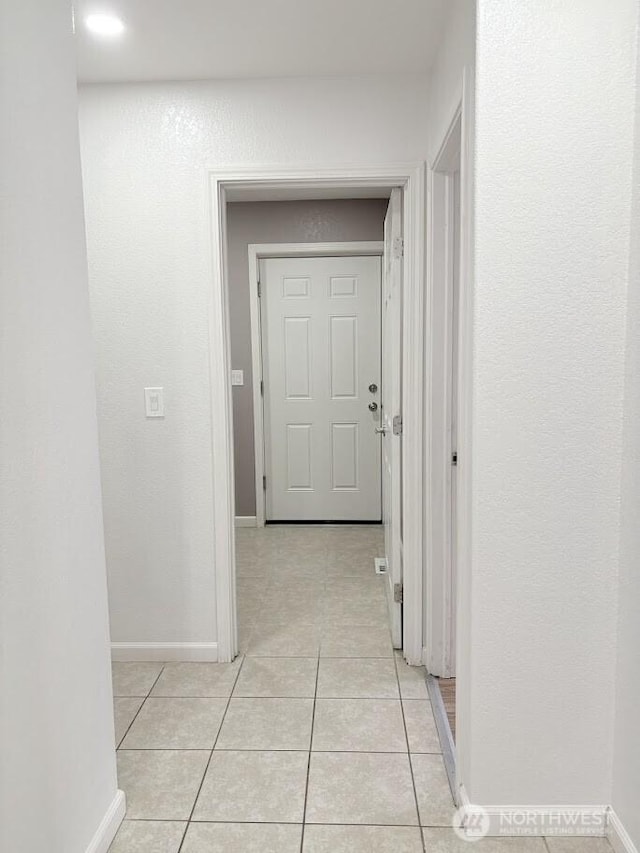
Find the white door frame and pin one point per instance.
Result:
(411, 179)
(436, 629)
(258, 251)
(439, 588)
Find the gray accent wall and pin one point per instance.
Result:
(277, 222)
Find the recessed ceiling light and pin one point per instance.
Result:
(104, 25)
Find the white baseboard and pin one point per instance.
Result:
(165, 651)
(523, 820)
(109, 825)
(618, 836)
(246, 521)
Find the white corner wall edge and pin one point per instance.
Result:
(618, 836)
(246, 521)
(109, 825)
(528, 821)
(207, 652)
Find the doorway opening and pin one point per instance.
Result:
(325, 317)
(404, 186)
(315, 311)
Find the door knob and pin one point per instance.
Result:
(373, 387)
(380, 430)
(373, 407)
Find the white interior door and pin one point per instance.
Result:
(392, 407)
(321, 346)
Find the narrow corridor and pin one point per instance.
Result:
(318, 738)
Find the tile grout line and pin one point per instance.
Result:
(292, 749)
(262, 696)
(313, 722)
(406, 734)
(206, 769)
(142, 704)
(297, 823)
(272, 749)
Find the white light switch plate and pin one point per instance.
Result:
(154, 402)
(237, 377)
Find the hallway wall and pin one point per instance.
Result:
(555, 101)
(322, 221)
(57, 750)
(457, 52)
(145, 151)
(626, 767)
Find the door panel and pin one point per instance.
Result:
(321, 349)
(297, 373)
(299, 456)
(344, 455)
(392, 406)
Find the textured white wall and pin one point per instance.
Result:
(145, 149)
(57, 774)
(626, 768)
(553, 153)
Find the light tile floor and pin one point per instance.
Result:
(317, 739)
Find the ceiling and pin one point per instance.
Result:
(206, 39)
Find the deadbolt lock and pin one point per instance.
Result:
(373, 387)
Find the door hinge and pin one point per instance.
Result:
(398, 594)
(397, 425)
(398, 247)
(259, 289)
(454, 457)
(262, 387)
(264, 482)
